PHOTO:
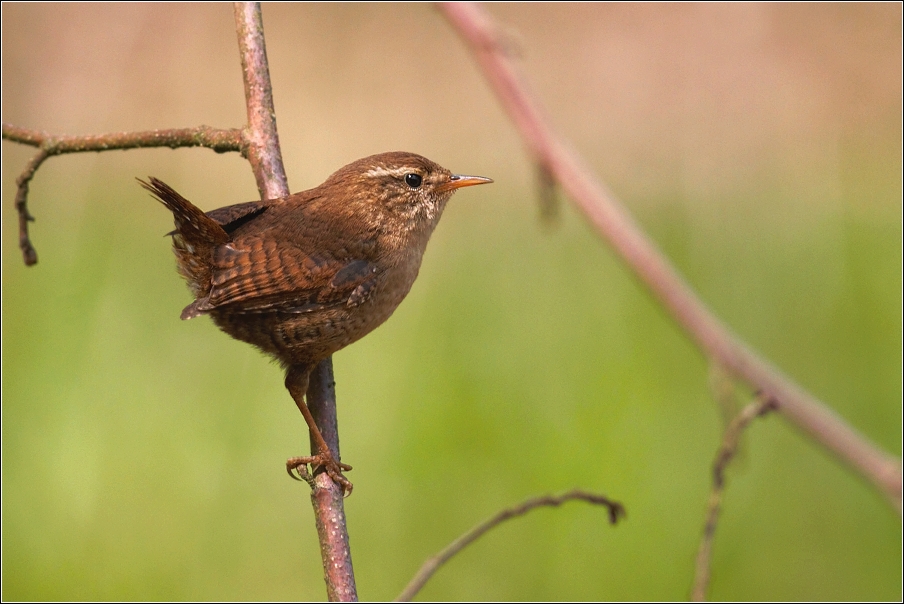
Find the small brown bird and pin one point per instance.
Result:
(303, 276)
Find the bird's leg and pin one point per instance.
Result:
(297, 383)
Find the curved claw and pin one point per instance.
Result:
(297, 467)
(341, 480)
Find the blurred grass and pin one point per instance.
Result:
(760, 147)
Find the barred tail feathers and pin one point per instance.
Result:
(195, 227)
(195, 237)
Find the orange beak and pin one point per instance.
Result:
(457, 181)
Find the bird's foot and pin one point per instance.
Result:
(297, 467)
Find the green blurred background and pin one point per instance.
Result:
(759, 145)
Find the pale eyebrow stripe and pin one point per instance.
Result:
(395, 173)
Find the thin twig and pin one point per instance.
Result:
(726, 453)
(266, 161)
(641, 255)
(49, 145)
(29, 254)
(433, 564)
(219, 139)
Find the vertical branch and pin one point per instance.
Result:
(264, 151)
(266, 161)
(327, 496)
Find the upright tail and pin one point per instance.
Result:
(195, 237)
(195, 227)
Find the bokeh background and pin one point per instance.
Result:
(759, 145)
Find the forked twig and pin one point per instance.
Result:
(613, 222)
(48, 145)
(429, 568)
(726, 453)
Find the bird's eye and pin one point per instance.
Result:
(413, 180)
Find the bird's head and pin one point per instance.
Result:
(405, 187)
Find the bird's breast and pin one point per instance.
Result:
(393, 284)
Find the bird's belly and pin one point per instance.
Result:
(311, 336)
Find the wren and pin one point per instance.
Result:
(303, 276)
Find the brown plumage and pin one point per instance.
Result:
(306, 275)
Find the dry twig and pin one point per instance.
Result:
(429, 568)
(727, 451)
(49, 145)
